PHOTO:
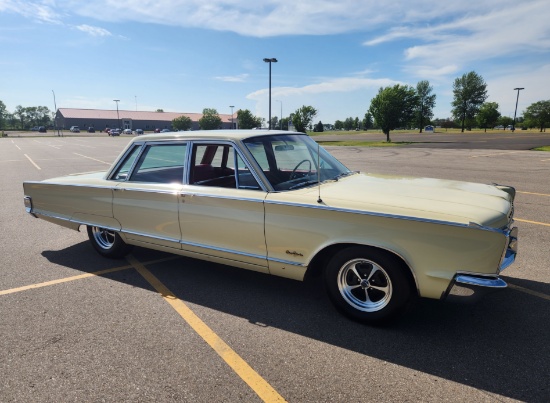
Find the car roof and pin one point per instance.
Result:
(211, 135)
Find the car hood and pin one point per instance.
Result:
(420, 198)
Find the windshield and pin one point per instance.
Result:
(291, 161)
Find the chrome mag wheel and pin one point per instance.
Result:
(104, 238)
(364, 285)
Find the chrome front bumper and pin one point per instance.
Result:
(465, 284)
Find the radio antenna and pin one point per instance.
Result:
(319, 200)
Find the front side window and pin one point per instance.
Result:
(291, 161)
(161, 163)
(121, 174)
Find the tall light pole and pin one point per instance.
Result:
(55, 118)
(232, 106)
(270, 60)
(517, 99)
(281, 120)
(117, 117)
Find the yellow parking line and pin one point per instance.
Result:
(532, 222)
(80, 155)
(259, 385)
(32, 162)
(63, 280)
(528, 291)
(536, 194)
(78, 277)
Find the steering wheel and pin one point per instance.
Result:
(293, 174)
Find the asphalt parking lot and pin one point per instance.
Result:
(158, 327)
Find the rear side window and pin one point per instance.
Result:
(161, 163)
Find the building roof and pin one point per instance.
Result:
(134, 115)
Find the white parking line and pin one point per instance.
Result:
(32, 162)
(83, 156)
(495, 154)
(49, 145)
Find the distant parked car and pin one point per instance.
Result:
(509, 127)
(127, 131)
(34, 129)
(165, 131)
(114, 132)
(139, 132)
(42, 129)
(499, 127)
(429, 128)
(75, 129)
(91, 130)
(157, 130)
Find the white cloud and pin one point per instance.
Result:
(42, 11)
(508, 30)
(345, 84)
(233, 79)
(93, 31)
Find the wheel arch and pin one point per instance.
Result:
(319, 262)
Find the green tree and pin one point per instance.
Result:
(338, 125)
(393, 107)
(275, 122)
(21, 115)
(319, 127)
(210, 119)
(426, 103)
(182, 123)
(470, 91)
(3, 115)
(302, 118)
(160, 110)
(538, 114)
(247, 120)
(505, 121)
(488, 115)
(367, 121)
(284, 122)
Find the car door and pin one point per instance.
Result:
(222, 207)
(145, 202)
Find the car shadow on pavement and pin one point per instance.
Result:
(499, 344)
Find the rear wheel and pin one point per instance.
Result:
(108, 243)
(368, 285)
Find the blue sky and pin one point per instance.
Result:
(186, 55)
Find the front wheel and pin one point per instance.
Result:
(368, 285)
(108, 243)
